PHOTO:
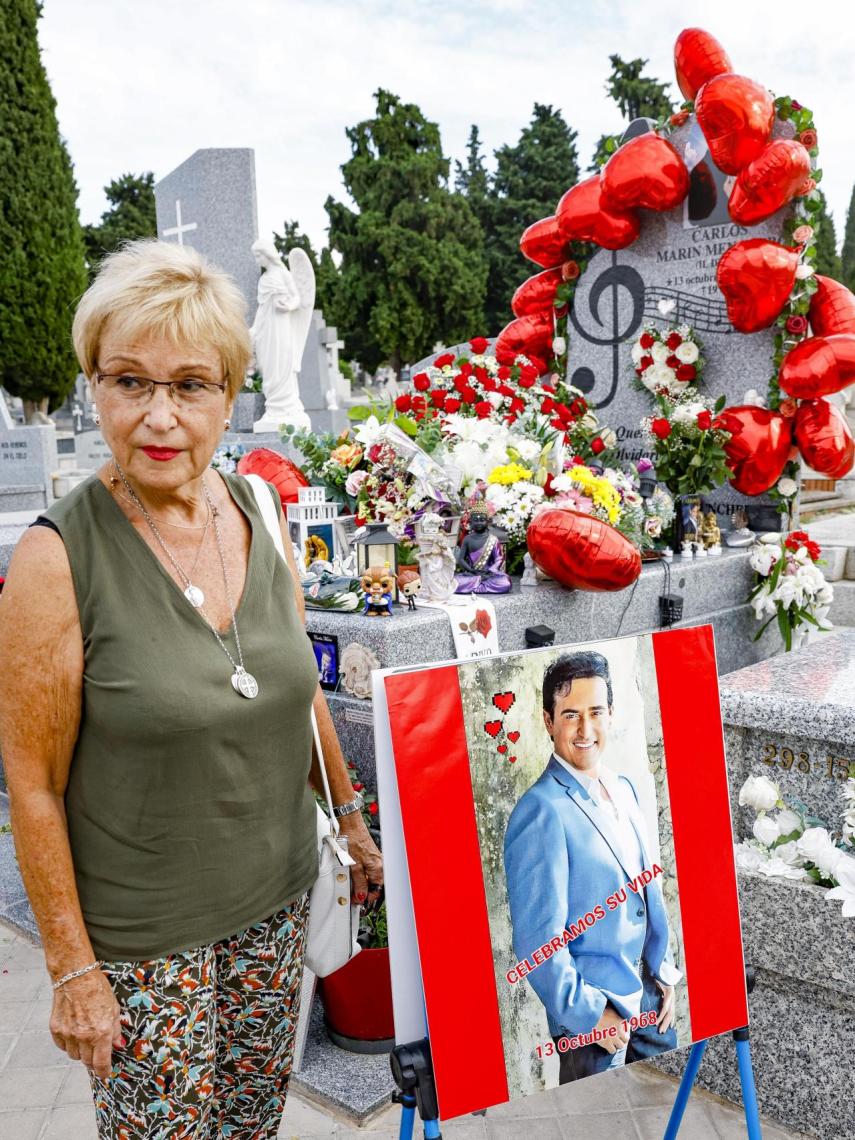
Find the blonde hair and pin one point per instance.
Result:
(158, 288)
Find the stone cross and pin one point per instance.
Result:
(178, 229)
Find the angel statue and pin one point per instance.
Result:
(286, 298)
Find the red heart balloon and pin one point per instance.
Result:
(769, 182)
(581, 552)
(819, 366)
(736, 116)
(832, 308)
(645, 172)
(532, 333)
(543, 244)
(537, 294)
(285, 476)
(582, 216)
(698, 57)
(824, 438)
(756, 277)
(758, 448)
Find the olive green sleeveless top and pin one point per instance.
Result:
(189, 812)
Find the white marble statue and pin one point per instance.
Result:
(436, 559)
(286, 298)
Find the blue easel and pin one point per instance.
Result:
(412, 1070)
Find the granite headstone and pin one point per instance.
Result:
(209, 203)
(28, 462)
(91, 450)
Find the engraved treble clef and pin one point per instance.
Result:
(613, 279)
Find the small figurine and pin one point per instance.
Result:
(710, 533)
(687, 550)
(529, 575)
(481, 557)
(436, 560)
(410, 590)
(740, 535)
(377, 583)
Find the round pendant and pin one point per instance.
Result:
(244, 683)
(194, 596)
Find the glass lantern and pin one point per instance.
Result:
(377, 546)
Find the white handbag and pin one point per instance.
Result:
(333, 920)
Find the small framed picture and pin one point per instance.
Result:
(325, 646)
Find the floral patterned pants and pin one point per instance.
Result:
(209, 1037)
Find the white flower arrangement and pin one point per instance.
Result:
(789, 585)
(667, 360)
(783, 846)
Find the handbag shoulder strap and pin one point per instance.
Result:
(264, 500)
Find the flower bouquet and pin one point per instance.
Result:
(789, 586)
(688, 450)
(667, 361)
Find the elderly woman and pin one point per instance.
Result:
(155, 720)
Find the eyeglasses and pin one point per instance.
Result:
(187, 393)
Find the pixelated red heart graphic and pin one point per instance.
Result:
(502, 748)
(513, 737)
(503, 701)
(493, 728)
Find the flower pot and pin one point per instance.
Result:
(358, 1003)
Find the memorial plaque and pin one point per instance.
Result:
(91, 450)
(28, 461)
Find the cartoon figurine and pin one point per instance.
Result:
(410, 590)
(377, 583)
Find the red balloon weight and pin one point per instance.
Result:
(832, 308)
(819, 366)
(529, 334)
(756, 277)
(758, 448)
(645, 172)
(736, 116)
(698, 57)
(824, 438)
(537, 294)
(769, 182)
(581, 552)
(543, 244)
(285, 476)
(582, 216)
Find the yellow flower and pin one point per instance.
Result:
(347, 454)
(509, 473)
(604, 495)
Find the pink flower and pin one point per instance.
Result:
(802, 234)
(354, 481)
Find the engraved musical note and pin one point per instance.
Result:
(612, 279)
(704, 314)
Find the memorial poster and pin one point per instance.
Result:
(565, 820)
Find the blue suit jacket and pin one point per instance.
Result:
(562, 858)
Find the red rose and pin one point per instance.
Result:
(796, 324)
(506, 390)
(807, 187)
(403, 403)
(597, 445)
(647, 340)
(673, 362)
(529, 371)
(479, 344)
(465, 368)
(437, 398)
(645, 362)
(813, 549)
(483, 409)
(678, 118)
(373, 809)
(446, 358)
(548, 406)
(421, 382)
(550, 388)
(460, 383)
(482, 622)
(526, 381)
(570, 271)
(579, 406)
(563, 412)
(481, 373)
(358, 787)
(488, 383)
(556, 423)
(452, 404)
(419, 403)
(808, 139)
(510, 419)
(504, 372)
(674, 341)
(686, 372)
(578, 461)
(517, 405)
(468, 395)
(704, 421)
(661, 428)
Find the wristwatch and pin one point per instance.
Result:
(349, 808)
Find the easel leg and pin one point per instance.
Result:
(408, 1117)
(696, 1054)
(746, 1080)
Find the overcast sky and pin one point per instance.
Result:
(141, 85)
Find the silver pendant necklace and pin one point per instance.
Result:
(242, 681)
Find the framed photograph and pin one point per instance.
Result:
(325, 646)
(319, 542)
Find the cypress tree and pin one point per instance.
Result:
(42, 266)
(827, 257)
(847, 255)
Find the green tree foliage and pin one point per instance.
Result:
(472, 178)
(292, 237)
(42, 268)
(412, 266)
(326, 274)
(827, 257)
(847, 256)
(131, 215)
(530, 178)
(637, 96)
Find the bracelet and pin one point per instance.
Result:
(350, 808)
(77, 974)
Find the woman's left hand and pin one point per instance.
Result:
(367, 876)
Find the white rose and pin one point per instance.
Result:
(527, 449)
(687, 352)
(559, 345)
(762, 559)
(637, 353)
(766, 830)
(789, 852)
(787, 487)
(788, 822)
(495, 399)
(748, 858)
(777, 867)
(659, 376)
(753, 397)
(814, 844)
(660, 352)
(759, 793)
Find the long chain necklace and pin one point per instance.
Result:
(242, 681)
(166, 522)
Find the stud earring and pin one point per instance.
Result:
(228, 424)
(96, 419)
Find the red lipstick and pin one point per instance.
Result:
(161, 454)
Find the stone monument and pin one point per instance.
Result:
(286, 298)
(209, 203)
(28, 462)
